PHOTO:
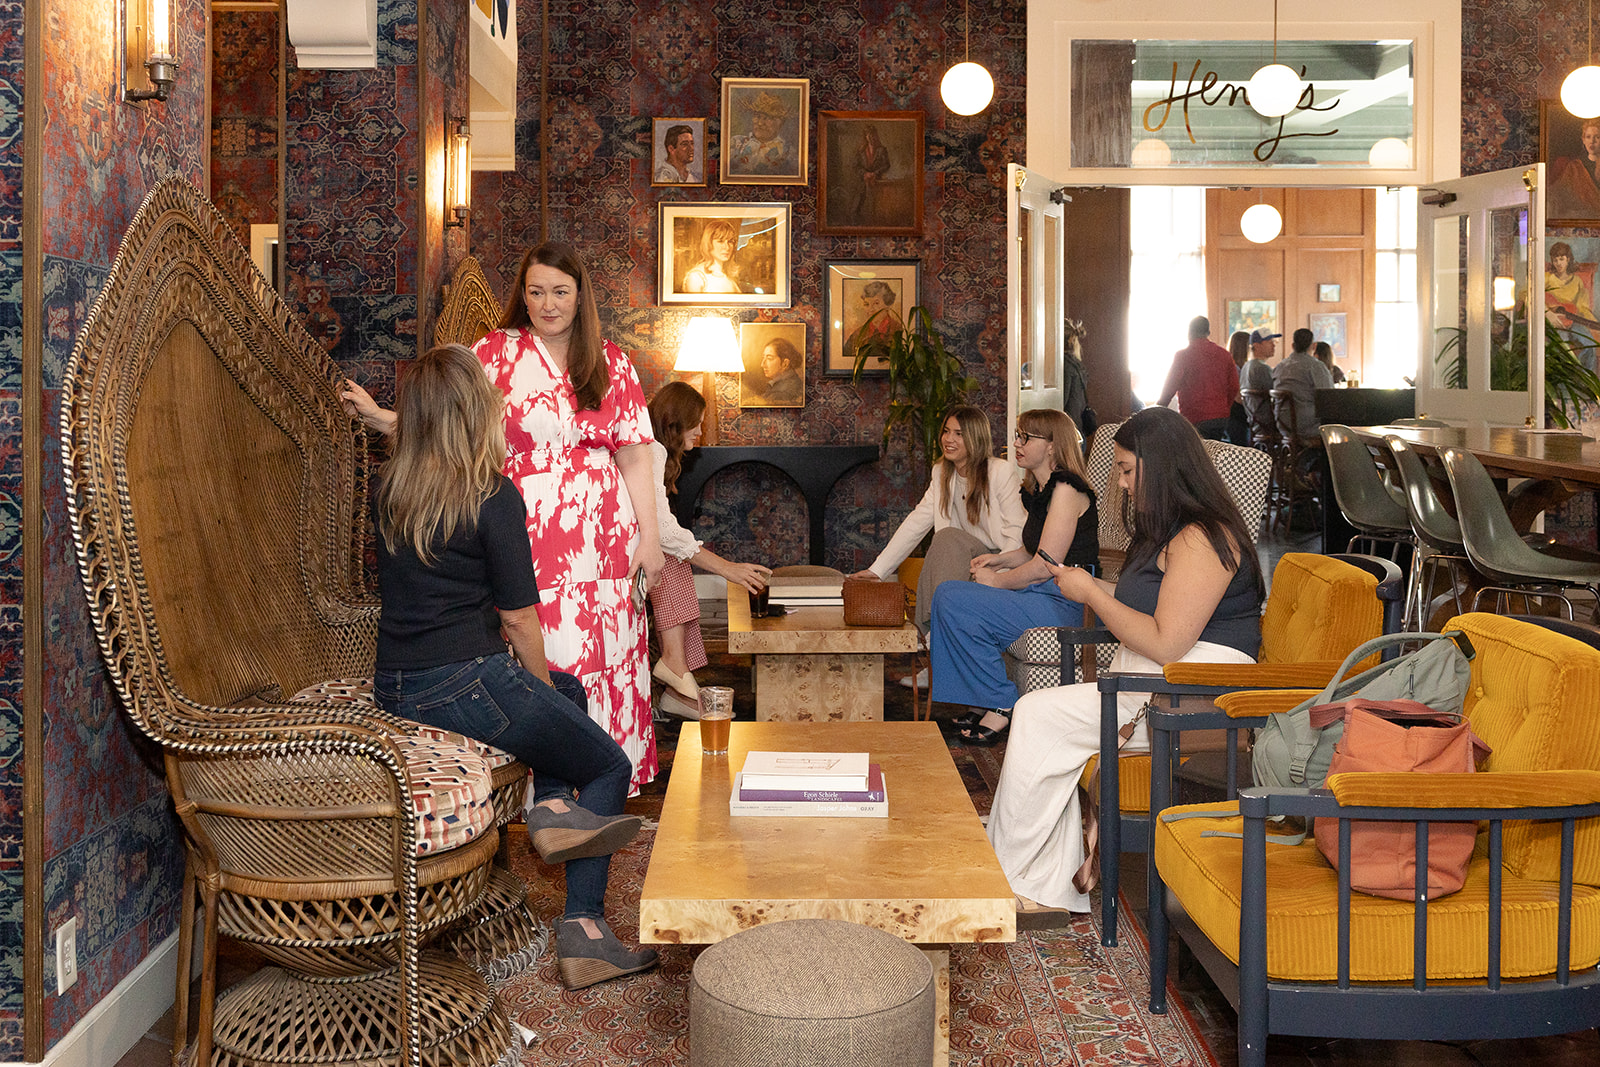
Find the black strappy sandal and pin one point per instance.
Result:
(970, 717)
(985, 736)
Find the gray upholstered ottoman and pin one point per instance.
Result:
(811, 993)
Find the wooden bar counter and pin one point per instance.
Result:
(810, 666)
(926, 873)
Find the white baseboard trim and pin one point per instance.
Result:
(125, 1015)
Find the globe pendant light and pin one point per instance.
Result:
(1260, 223)
(967, 87)
(1275, 89)
(1580, 92)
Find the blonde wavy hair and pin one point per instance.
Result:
(446, 453)
(1066, 444)
(975, 433)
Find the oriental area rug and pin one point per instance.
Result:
(1052, 997)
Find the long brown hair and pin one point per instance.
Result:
(586, 358)
(447, 450)
(975, 433)
(676, 408)
(1066, 445)
(1178, 486)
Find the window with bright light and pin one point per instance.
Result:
(1394, 351)
(1168, 280)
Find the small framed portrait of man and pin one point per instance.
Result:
(677, 151)
(869, 169)
(864, 300)
(1570, 149)
(766, 123)
(724, 254)
(774, 365)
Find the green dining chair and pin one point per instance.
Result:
(1497, 550)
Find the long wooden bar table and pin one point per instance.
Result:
(926, 873)
(1559, 464)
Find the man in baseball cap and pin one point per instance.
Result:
(1255, 374)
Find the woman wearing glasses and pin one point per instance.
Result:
(973, 506)
(973, 622)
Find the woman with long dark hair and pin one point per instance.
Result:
(675, 414)
(1191, 589)
(577, 436)
(455, 574)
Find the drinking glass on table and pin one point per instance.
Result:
(716, 719)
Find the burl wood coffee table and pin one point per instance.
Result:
(810, 666)
(926, 873)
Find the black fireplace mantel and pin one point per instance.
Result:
(814, 468)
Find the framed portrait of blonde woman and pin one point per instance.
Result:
(864, 300)
(724, 254)
(774, 355)
(766, 124)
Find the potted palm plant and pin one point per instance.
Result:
(926, 379)
(1569, 384)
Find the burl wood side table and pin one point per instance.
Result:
(810, 666)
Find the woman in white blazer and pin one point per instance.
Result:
(973, 506)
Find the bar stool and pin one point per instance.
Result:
(1498, 551)
(1436, 529)
(1294, 484)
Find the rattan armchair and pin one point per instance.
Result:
(216, 490)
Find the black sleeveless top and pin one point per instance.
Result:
(1085, 548)
(1236, 622)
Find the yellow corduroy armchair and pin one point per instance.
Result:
(1319, 609)
(1512, 954)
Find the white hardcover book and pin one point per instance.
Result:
(813, 809)
(832, 771)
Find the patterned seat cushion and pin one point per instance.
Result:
(451, 792)
(451, 774)
(358, 691)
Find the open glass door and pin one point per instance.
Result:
(1480, 254)
(1035, 293)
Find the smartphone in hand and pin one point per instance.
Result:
(1048, 558)
(639, 591)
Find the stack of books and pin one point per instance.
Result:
(806, 595)
(825, 784)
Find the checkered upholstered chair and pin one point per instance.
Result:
(1512, 954)
(217, 494)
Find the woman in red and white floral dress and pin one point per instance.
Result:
(577, 438)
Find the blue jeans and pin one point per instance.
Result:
(973, 624)
(494, 700)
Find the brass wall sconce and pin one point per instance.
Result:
(149, 60)
(458, 175)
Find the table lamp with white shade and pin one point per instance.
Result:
(709, 348)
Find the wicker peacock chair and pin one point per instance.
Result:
(217, 495)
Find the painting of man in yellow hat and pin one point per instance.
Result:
(765, 125)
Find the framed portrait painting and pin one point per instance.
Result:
(724, 255)
(774, 356)
(1329, 326)
(677, 151)
(1248, 315)
(869, 166)
(855, 292)
(1570, 149)
(766, 124)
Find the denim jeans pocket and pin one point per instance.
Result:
(470, 710)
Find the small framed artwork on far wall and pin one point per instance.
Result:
(1248, 315)
(765, 130)
(774, 356)
(724, 254)
(870, 166)
(1327, 294)
(677, 151)
(860, 293)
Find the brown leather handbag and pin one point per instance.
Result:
(874, 603)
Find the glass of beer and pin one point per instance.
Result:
(716, 718)
(758, 602)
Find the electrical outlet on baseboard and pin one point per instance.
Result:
(66, 955)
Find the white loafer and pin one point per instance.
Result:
(684, 683)
(918, 681)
